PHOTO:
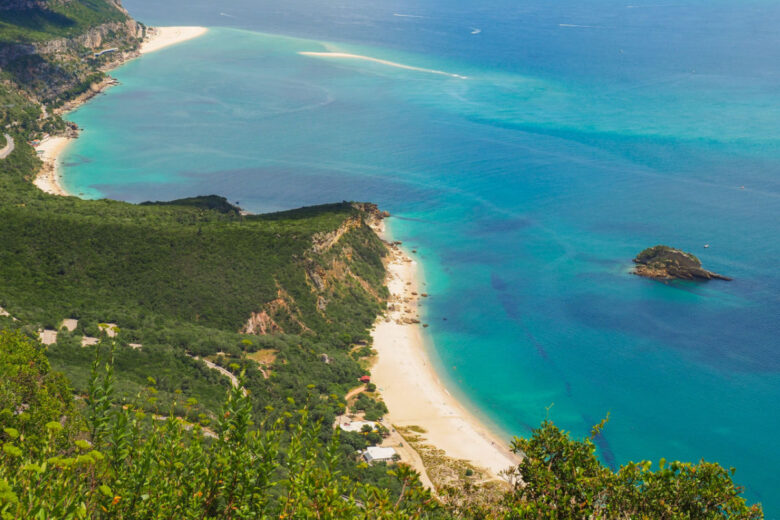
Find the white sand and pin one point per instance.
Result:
(397, 65)
(160, 37)
(412, 390)
(49, 178)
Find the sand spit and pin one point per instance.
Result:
(160, 37)
(344, 55)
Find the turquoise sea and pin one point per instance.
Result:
(581, 134)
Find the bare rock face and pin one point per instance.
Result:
(666, 263)
(93, 39)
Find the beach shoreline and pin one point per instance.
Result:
(50, 150)
(410, 385)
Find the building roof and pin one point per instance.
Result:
(378, 453)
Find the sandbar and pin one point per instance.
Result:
(397, 65)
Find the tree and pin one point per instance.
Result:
(131, 465)
(562, 478)
(31, 395)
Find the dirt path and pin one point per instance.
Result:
(8, 148)
(394, 440)
(355, 391)
(409, 455)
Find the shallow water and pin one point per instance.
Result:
(581, 135)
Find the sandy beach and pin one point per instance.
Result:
(412, 389)
(49, 178)
(160, 37)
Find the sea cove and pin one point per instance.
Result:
(525, 183)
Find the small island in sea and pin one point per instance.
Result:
(666, 263)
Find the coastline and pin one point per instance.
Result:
(410, 386)
(49, 178)
(160, 37)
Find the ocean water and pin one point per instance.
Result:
(563, 139)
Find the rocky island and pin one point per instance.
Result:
(666, 263)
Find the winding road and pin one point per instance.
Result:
(9, 147)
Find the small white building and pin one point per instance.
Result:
(378, 454)
(356, 426)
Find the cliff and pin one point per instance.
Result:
(343, 273)
(50, 49)
(666, 263)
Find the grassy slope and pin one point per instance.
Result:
(182, 279)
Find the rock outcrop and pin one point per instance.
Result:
(53, 71)
(341, 267)
(667, 263)
(93, 39)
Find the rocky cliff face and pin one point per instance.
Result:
(666, 263)
(368, 213)
(56, 70)
(342, 268)
(93, 39)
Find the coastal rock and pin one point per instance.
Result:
(666, 263)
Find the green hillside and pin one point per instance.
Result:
(57, 20)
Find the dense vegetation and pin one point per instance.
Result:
(94, 459)
(57, 20)
(139, 426)
(119, 462)
(182, 281)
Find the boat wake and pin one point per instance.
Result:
(344, 55)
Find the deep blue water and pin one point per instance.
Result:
(583, 133)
